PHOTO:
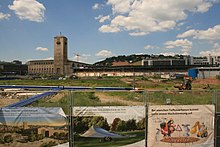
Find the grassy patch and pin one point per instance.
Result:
(79, 99)
(104, 82)
(128, 95)
(180, 98)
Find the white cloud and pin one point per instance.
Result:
(4, 16)
(184, 44)
(151, 47)
(187, 34)
(108, 29)
(138, 33)
(28, 10)
(104, 53)
(169, 54)
(181, 24)
(81, 57)
(119, 6)
(85, 57)
(204, 7)
(97, 6)
(49, 58)
(215, 51)
(141, 17)
(209, 34)
(41, 49)
(103, 18)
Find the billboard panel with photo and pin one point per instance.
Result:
(109, 125)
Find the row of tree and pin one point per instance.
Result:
(82, 124)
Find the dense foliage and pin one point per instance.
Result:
(82, 124)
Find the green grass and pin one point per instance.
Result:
(127, 95)
(92, 82)
(95, 142)
(79, 99)
(181, 98)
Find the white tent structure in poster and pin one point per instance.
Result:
(97, 132)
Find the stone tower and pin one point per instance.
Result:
(60, 55)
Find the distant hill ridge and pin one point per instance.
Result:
(132, 59)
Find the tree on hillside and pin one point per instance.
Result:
(131, 124)
(141, 124)
(81, 124)
(114, 124)
(100, 122)
(121, 126)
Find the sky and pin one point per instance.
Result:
(98, 29)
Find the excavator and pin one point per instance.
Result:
(186, 85)
(200, 129)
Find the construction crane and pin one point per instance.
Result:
(77, 56)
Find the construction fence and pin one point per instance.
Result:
(111, 118)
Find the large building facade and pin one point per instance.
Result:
(13, 68)
(59, 66)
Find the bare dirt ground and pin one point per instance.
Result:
(213, 81)
(57, 97)
(7, 101)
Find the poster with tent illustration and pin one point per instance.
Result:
(113, 125)
(181, 125)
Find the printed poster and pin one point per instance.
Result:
(35, 116)
(181, 125)
(109, 125)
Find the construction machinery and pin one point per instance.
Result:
(199, 129)
(186, 85)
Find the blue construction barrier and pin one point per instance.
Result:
(32, 99)
(68, 87)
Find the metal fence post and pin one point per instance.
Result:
(146, 116)
(71, 132)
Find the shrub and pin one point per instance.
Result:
(2, 139)
(56, 135)
(31, 137)
(48, 144)
(8, 139)
(62, 135)
(39, 136)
